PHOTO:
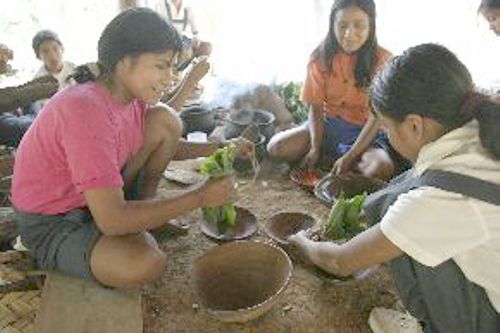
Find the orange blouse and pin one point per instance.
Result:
(337, 90)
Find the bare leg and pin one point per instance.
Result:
(133, 260)
(376, 163)
(127, 261)
(161, 138)
(290, 145)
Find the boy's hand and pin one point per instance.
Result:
(6, 54)
(244, 147)
(215, 192)
(198, 71)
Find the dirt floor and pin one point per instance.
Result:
(309, 304)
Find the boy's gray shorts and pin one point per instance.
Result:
(62, 243)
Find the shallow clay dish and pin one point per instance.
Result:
(305, 179)
(327, 277)
(328, 188)
(281, 226)
(240, 281)
(245, 226)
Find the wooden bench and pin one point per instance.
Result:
(73, 305)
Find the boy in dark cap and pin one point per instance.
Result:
(49, 49)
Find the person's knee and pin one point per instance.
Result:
(165, 122)
(376, 163)
(150, 267)
(276, 149)
(127, 261)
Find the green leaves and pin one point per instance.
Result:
(218, 164)
(343, 220)
(290, 93)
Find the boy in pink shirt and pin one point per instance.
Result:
(87, 171)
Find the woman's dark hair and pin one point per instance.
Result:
(489, 4)
(130, 33)
(430, 81)
(366, 55)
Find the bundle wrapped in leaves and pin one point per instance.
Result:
(218, 164)
(344, 221)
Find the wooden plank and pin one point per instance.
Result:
(77, 306)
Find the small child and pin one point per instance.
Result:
(49, 49)
(490, 9)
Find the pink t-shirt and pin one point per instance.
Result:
(81, 140)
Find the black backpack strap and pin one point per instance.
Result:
(462, 184)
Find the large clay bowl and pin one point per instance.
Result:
(351, 184)
(240, 281)
(245, 226)
(281, 226)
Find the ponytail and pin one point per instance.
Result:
(488, 116)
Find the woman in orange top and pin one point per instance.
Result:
(340, 125)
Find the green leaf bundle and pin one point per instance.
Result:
(343, 221)
(218, 164)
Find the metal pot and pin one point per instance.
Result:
(239, 119)
(198, 118)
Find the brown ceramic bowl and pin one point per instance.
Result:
(240, 281)
(281, 226)
(351, 184)
(245, 226)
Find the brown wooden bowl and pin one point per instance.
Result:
(281, 226)
(240, 281)
(245, 226)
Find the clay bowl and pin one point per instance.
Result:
(328, 188)
(281, 226)
(334, 279)
(240, 281)
(305, 179)
(245, 226)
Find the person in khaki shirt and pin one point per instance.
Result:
(437, 225)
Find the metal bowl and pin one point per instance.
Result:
(281, 226)
(245, 226)
(331, 186)
(240, 281)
